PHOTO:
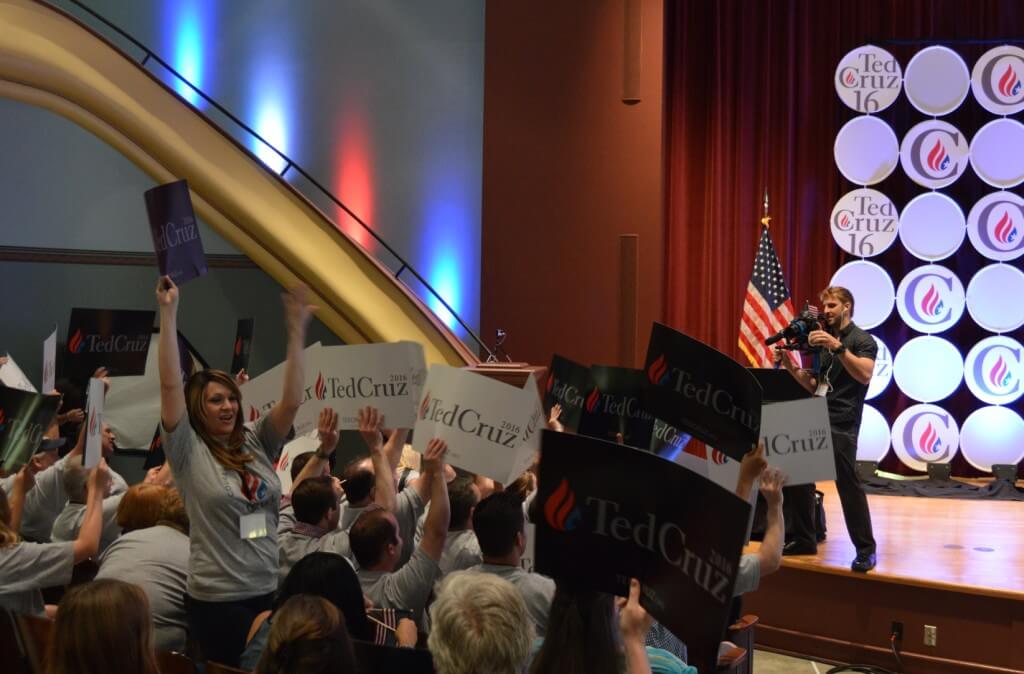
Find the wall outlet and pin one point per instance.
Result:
(931, 635)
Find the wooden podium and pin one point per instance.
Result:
(511, 373)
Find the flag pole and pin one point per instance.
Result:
(766, 219)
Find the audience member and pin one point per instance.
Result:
(308, 637)
(153, 553)
(500, 527)
(224, 470)
(479, 624)
(26, 568)
(68, 523)
(317, 513)
(461, 549)
(377, 543)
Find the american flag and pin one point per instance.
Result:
(767, 307)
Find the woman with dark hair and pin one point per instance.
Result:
(308, 637)
(224, 470)
(593, 633)
(102, 627)
(330, 576)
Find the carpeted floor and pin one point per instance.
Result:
(772, 663)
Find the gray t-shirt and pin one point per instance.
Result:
(461, 551)
(408, 509)
(45, 501)
(222, 566)
(69, 522)
(748, 575)
(155, 559)
(407, 588)
(301, 540)
(26, 568)
(537, 591)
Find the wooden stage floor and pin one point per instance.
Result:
(954, 564)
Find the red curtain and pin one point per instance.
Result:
(750, 104)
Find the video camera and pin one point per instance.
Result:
(798, 330)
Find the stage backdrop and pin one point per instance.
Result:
(750, 103)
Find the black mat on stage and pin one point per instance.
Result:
(1000, 490)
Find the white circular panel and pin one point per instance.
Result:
(992, 435)
(994, 369)
(873, 440)
(872, 291)
(932, 226)
(997, 153)
(931, 299)
(994, 298)
(928, 369)
(996, 80)
(883, 371)
(936, 80)
(866, 150)
(924, 434)
(864, 222)
(996, 226)
(934, 153)
(868, 79)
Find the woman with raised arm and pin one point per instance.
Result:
(224, 470)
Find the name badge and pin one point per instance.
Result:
(253, 525)
(822, 390)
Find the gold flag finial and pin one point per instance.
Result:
(766, 219)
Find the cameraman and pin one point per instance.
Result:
(846, 364)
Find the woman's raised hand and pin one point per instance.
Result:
(297, 311)
(167, 293)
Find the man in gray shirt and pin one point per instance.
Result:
(499, 524)
(69, 521)
(377, 544)
(461, 549)
(315, 502)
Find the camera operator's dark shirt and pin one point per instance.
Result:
(846, 399)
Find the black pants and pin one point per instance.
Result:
(220, 627)
(799, 501)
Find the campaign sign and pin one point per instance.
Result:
(50, 361)
(262, 393)
(94, 424)
(24, 417)
(614, 404)
(386, 376)
(611, 513)
(798, 439)
(12, 376)
(117, 339)
(567, 384)
(243, 344)
(701, 391)
(491, 428)
(667, 440)
(172, 222)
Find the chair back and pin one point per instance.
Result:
(170, 662)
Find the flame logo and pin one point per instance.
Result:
(849, 79)
(238, 346)
(1005, 231)
(1009, 83)
(717, 457)
(844, 221)
(158, 442)
(76, 343)
(658, 371)
(1000, 375)
(592, 400)
(321, 388)
(92, 423)
(424, 406)
(550, 382)
(929, 442)
(282, 463)
(254, 414)
(931, 303)
(938, 158)
(559, 511)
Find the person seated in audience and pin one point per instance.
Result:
(329, 576)
(377, 545)
(102, 627)
(500, 527)
(317, 513)
(479, 623)
(461, 549)
(152, 552)
(308, 637)
(586, 636)
(67, 524)
(26, 568)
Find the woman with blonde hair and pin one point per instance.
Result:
(102, 627)
(308, 637)
(224, 469)
(26, 568)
